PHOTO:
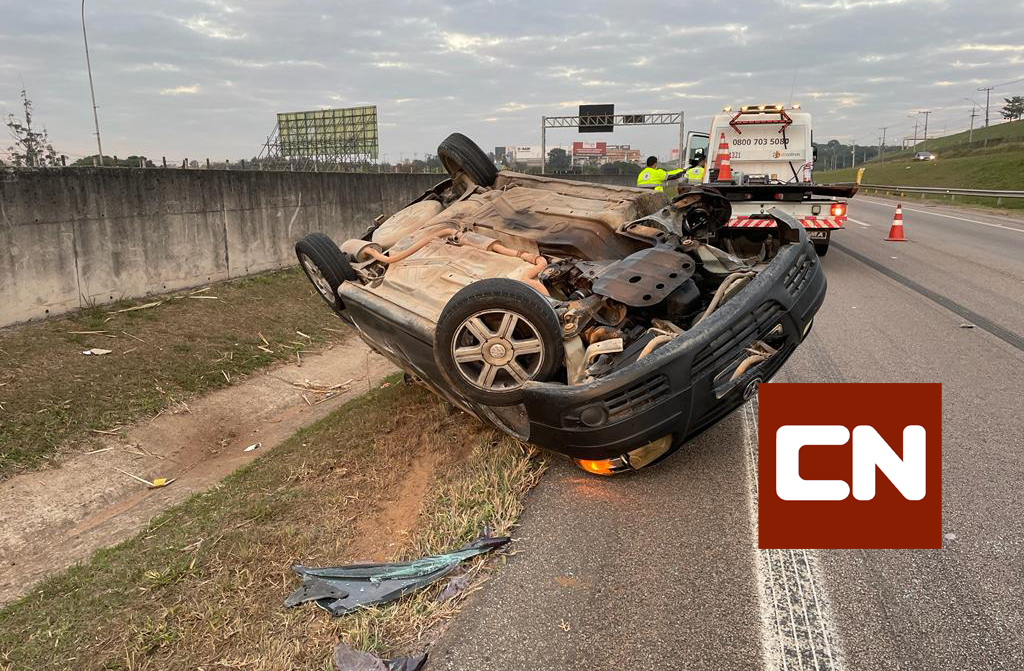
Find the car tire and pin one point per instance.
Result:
(821, 248)
(459, 154)
(493, 336)
(325, 266)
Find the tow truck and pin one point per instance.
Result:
(771, 154)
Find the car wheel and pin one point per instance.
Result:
(459, 154)
(821, 248)
(325, 265)
(493, 336)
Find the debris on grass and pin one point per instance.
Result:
(372, 584)
(347, 658)
(228, 549)
(112, 432)
(155, 483)
(254, 446)
(96, 351)
(454, 587)
(144, 306)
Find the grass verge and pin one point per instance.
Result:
(977, 169)
(393, 474)
(190, 343)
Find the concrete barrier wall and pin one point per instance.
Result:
(70, 238)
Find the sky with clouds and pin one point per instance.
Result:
(204, 78)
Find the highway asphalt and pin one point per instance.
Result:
(659, 569)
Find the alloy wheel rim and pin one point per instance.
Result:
(497, 350)
(318, 279)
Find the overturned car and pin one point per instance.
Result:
(606, 323)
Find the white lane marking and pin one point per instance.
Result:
(858, 222)
(947, 216)
(790, 588)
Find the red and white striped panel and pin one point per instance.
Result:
(744, 221)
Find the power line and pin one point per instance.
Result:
(1007, 83)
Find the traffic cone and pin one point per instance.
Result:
(722, 161)
(896, 230)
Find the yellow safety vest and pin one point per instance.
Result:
(651, 177)
(654, 177)
(695, 175)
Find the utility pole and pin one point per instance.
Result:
(988, 92)
(853, 153)
(88, 66)
(924, 143)
(974, 113)
(914, 116)
(881, 146)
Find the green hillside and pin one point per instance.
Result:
(994, 160)
(997, 137)
(977, 170)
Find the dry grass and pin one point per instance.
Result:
(51, 395)
(202, 587)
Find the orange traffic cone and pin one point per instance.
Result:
(722, 161)
(896, 230)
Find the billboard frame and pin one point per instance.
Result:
(324, 138)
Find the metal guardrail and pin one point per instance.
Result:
(946, 191)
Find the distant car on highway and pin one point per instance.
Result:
(925, 156)
(604, 322)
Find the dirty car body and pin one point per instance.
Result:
(606, 323)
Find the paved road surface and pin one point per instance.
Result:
(659, 570)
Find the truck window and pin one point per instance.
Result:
(696, 142)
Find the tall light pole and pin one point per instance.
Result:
(88, 66)
(988, 92)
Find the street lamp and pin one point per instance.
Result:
(88, 67)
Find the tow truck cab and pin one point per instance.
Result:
(771, 155)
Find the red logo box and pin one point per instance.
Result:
(850, 466)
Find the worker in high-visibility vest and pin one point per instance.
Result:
(654, 176)
(695, 175)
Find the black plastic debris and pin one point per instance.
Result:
(454, 587)
(314, 589)
(347, 658)
(370, 584)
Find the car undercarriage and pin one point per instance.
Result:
(571, 314)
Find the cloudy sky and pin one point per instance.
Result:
(204, 78)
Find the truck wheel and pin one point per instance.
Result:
(459, 154)
(493, 336)
(821, 248)
(325, 265)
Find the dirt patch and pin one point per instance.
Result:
(56, 517)
(202, 585)
(164, 350)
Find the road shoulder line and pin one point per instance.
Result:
(796, 629)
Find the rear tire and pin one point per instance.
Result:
(821, 248)
(459, 154)
(325, 266)
(493, 336)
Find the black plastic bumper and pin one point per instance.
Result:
(683, 387)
